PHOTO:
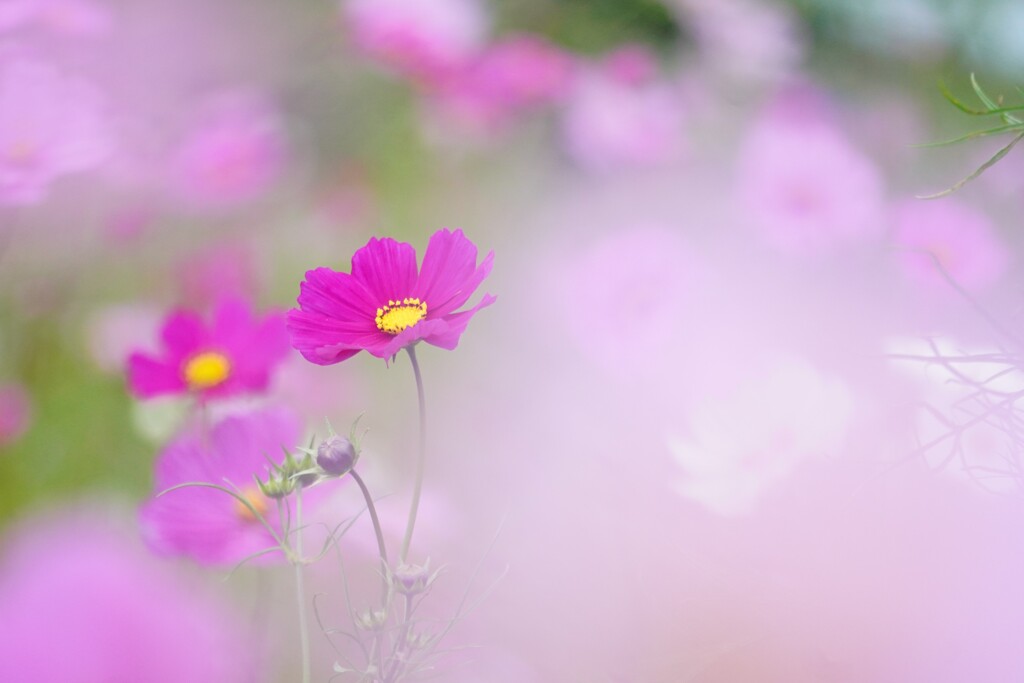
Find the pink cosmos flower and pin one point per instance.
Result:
(748, 40)
(206, 524)
(15, 413)
(50, 125)
(235, 151)
(959, 237)
(423, 39)
(510, 76)
(805, 187)
(383, 305)
(71, 17)
(235, 354)
(82, 602)
(619, 116)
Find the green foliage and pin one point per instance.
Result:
(80, 436)
(1011, 124)
(595, 26)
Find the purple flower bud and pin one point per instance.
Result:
(336, 456)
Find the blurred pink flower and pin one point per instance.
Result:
(749, 40)
(805, 188)
(15, 413)
(71, 17)
(80, 603)
(422, 39)
(234, 152)
(960, 238)
(743, 442)
(206, 524)
(50, 125)
(619, 116)
(217, 271)
(643, 273)
(384, 305)
(233, 355)
(508, 77)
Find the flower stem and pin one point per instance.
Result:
(381, 548)
(421, 457)
(300, 591)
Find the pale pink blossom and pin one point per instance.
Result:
(951, 237)
(50, 125)
(739, 444)
(805, 187)
(69, 17)
(615, 119)
(641, 275)
(423, 39)
(82, 602)
(746, 40)
(505, 80)
(234, 152)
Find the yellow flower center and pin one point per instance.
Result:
(206, 370)
(396, 316)
(256, 499)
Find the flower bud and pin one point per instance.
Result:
(412, 579)
(336, 456)
(276, 487)
(371, 619)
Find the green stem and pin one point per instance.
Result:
(421, 457)
(300, 591)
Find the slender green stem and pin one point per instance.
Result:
(421, 457)
(381, 548)
(300, 591)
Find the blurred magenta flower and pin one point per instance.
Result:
(620, 116)
(50, 125)
(234, 152)
(383, 305)
(69, 17)
(422, 39)
(81, 603)
(206, 524)
(805, 188)
(505, 79)
(15, 413)
(958, 237)
(233, 355)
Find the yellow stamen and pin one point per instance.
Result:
(256, 499)
(396, 316)
(206, 370)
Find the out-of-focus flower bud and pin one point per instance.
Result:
(372, 619)
(277, 487)
(336, 456)
(412, 579)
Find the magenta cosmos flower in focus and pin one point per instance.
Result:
(383, 305)
(233, 355)
(206, 524)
